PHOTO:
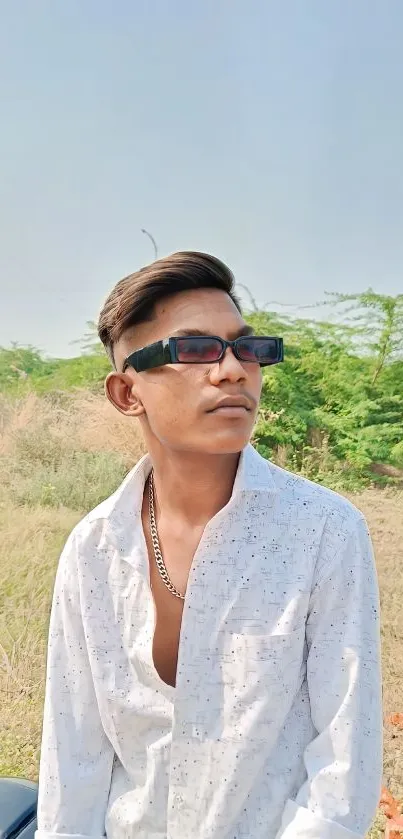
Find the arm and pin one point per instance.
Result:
(76, 756)
(344, 761)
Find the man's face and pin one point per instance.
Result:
(178, 403)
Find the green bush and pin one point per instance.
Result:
(333, 410)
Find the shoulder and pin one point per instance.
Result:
(307, 513)
(292, 496)
(309, 498)
(328, 520)
(114, 523)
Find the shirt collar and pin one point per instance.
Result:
(121, 512)
(254, 473)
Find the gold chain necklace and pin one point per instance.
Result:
(156, 543)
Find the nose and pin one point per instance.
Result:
(227, 369)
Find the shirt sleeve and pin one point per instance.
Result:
(76, 756)
(344, 761)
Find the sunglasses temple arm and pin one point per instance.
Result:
(153, 356)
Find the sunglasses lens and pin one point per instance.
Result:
(198, 350)
(260, 350)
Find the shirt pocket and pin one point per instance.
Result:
(261, 674)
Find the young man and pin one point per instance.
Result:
(213, 666)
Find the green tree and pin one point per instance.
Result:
(378, 322)
(333, 410)
(90, 343)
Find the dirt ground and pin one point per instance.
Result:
(384, 513)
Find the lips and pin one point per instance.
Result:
(232, 403)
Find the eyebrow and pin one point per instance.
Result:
(240, 333)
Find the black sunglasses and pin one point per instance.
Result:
(206, 349)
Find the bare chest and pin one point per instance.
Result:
(178, 553)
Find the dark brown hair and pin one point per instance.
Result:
(134, 298)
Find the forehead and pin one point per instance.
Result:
(204, 310)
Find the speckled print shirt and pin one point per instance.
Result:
(274, 727)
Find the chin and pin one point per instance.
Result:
(229, 443)
(226, 440)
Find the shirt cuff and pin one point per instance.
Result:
(300, 823)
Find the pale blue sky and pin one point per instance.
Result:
(269, 133)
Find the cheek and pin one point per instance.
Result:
(172, 392)
(171, 405)
(188, 381)
(255, 379)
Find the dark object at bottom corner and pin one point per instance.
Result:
(18, 803)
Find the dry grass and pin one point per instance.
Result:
(40, 438)
(81, 420)
(31, 541)
(60, 455)
(64, 450)
(384, 513)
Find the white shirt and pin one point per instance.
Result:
(274, 727)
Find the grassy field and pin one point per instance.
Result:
(60, 455)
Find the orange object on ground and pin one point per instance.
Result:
(389, 805)
(391, 808)
(393, 830)
(396, 720)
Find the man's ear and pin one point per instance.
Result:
(120, 389)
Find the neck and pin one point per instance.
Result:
(193, 487)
